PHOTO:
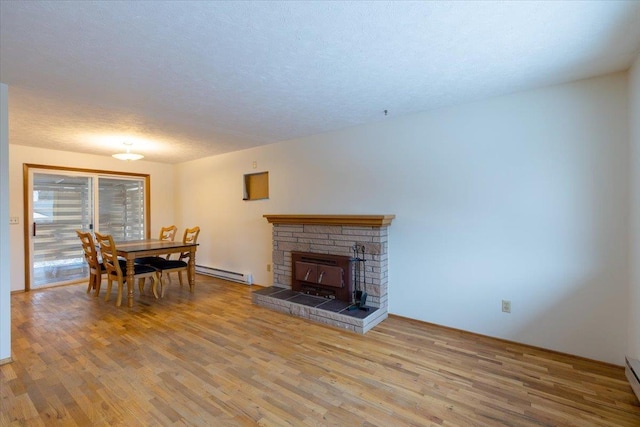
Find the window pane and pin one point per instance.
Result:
(61, 205)
(121, 204)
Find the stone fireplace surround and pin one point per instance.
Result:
(329, 234)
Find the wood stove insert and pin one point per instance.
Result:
(324, 275)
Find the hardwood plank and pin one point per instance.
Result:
(212, 358)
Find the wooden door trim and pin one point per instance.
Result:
(26, 168)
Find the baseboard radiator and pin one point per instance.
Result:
(632, 370)
(245, 278)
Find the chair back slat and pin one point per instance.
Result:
(190, 236)
(89, 250)
(109, 255)
(168, 233)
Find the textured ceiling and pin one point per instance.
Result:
(183, 80)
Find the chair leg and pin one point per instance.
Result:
(154, 285)
(141, 285)
(98, 283)
(90, 283)
(162, 284)
(109, 285)
(119, 299)
(180, 277)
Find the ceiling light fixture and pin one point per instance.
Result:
(128, 155)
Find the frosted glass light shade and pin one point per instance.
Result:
(128, 156)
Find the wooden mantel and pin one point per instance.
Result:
(352, 220)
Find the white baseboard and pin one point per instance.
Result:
(245, 278)
(632, 370)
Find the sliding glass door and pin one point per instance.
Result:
(61, 205)
(63, 202)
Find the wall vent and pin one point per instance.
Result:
(245, 278)
(632, 370)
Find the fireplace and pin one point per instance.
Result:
(318, 237)
(323, 275)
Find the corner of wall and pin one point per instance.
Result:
(5, 254)
(633, 341)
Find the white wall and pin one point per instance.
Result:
(634, 292)
(5, 252)
(161, 191)
(522, 197)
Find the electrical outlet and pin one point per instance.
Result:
(268, 267)
(14, 220)
(255, 164)
(506, 306)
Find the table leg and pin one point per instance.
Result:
(192, 268)
(130, 272)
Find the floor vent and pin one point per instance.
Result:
(632, 369)
(245, 278)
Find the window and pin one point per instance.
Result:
(121, 204)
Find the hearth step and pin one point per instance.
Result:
(328, 311)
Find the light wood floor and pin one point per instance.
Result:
(211, 358)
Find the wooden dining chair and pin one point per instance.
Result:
(116, 269)
(181, 264)
(91, 256)
(167, 234)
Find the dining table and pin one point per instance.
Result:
(132, 249)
